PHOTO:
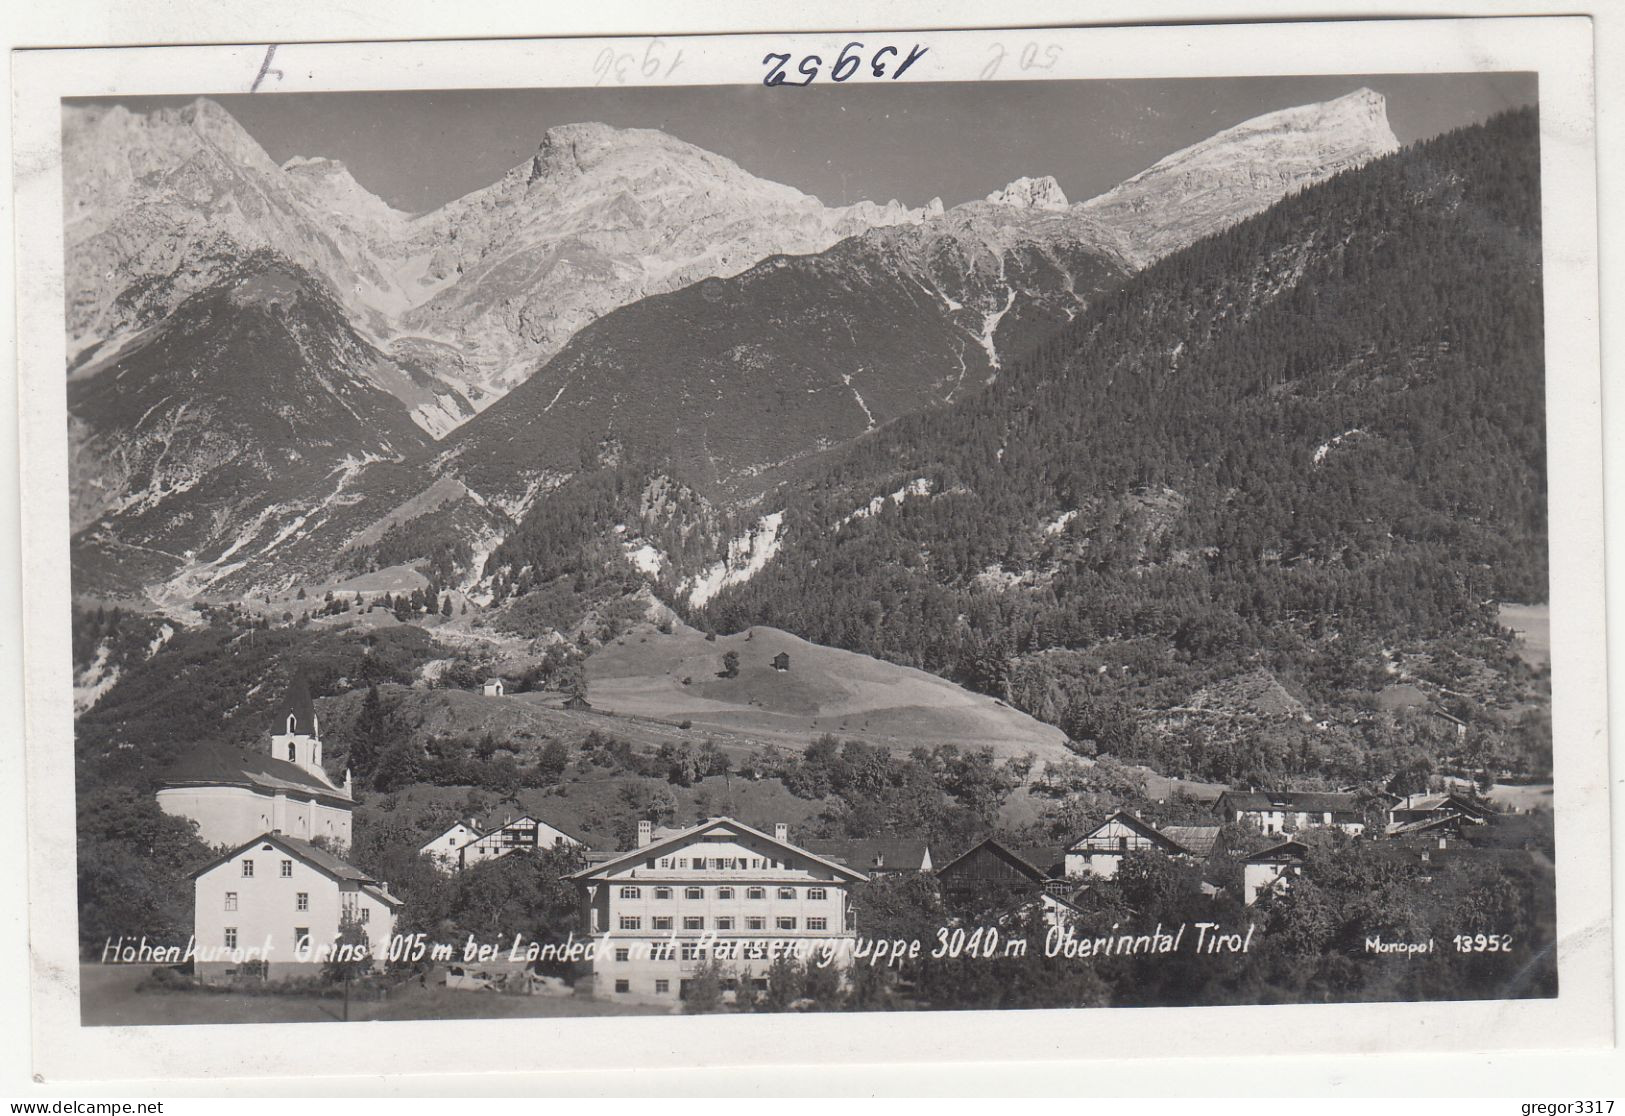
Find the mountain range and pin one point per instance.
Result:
(270, 367)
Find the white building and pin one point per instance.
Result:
(1271, 870)
(234, 795)
(281, 900)
(445, 846)
(1286, 812)
(1101, 851)
(517, 833)
(493, 687)
(721, 891)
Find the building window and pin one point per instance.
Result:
(725, 893)
(231, 900)
(231, 937)
(287, 869)
(699, 862)
(662, 922)
(787, 922)
(725, 923)
(756, 922)
(364, 915)
(248, 869)
(787, 893)
(301, 939)
(693, 922)
(756, 893)
(623, 986)
(662, 987)
(693, 893)
(631, 893)
(301, 902)
(818, 924)
(623, 954)
(662, 893)
(817, 893)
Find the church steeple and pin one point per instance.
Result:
(296, 713)
(295, 732)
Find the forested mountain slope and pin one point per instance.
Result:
(1295, 443)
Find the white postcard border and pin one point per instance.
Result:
(1558, 48)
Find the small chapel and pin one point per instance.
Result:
(236, 794)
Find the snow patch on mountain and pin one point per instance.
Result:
(748, 555)
(1059, 523)
(645, 558)
(990, 325)
(1326, 447)
(846, 378)
(95, 680)
(918, 487)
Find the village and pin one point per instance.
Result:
(282, 901)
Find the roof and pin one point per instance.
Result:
(296, 703)
(870, 853)
(453, 827)
(1285, 851)
(1427, 825)
(1021, 861)
(226, 765)
(381, 893)
(655, 848)
(1048, 859)
(1309, 801)
(492, 827)
(317, 857)
(493, 681)
(1198, 840)
(1445, 800)
(1138, 824)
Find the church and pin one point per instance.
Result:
(234, 795)
(283, 894)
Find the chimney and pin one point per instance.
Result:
(781, 832)
(646, 832)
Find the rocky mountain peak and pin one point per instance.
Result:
(1031, 193)
(1242, 170)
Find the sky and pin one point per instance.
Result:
(841, 143)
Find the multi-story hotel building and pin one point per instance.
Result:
(721, 891)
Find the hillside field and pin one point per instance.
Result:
(678, 677)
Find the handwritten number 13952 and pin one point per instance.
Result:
(851, 58)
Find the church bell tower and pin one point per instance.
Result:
(296, 736)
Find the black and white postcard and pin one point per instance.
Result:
(796, 543)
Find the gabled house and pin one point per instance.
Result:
(718, 891)
(781, 661)
(992, 876)
(517, 833)
(494, 687)
(281, 900)
(1101, 851)
(1288, 811)
(1271, 869)
(445, 846)
(1427, 807)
